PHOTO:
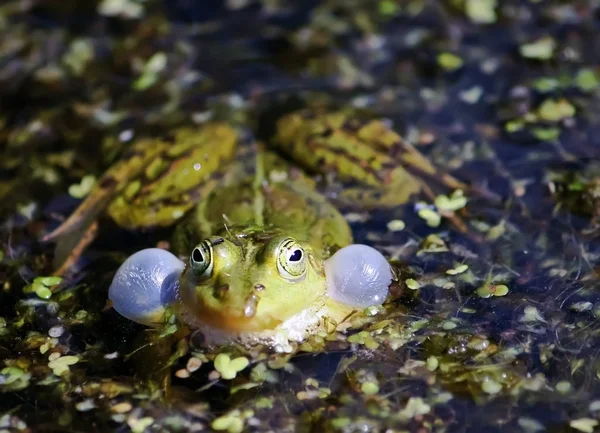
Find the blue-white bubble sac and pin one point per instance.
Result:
(145, 284)
(358, 276)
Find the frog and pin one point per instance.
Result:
(192, 172)
(265, 262)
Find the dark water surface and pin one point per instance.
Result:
(502, 94)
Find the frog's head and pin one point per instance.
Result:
(251, 282)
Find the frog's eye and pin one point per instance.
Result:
(291, 260)
(201, 260)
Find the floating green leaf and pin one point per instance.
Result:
(586, 80)
(488, 290)
(228, 368)
(453, 203)
(412, 284)
(546, 134)
(388, 7)
(431, 217)
(232, 422)
(42, 286)
(450, 62)
(585, 425)
(457, 270)
(396, 225)
(61, 365)
(369, 388)
(541, 49)
(481, 11)
(81, 189)
(556, 110)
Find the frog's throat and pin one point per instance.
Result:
(294, 329)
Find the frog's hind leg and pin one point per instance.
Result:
(114, 179)
(75, 234)
(69, 249)
(155, 183)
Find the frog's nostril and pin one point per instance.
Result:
(251, 305)
(221, 291)
(259, 287)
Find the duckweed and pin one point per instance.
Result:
(228, 368)
(496, 306)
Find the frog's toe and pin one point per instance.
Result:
(145, 284)
(358, 275)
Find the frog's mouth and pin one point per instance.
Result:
(294, 329)
(239, 317)
(232, 319)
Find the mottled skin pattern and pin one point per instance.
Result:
(373, 161)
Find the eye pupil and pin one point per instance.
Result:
(197, 256)
(296, 256)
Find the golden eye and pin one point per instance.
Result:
(291, 259)
(201, 260)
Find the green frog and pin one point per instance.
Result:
(268, 259)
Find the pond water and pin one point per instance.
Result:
(494, 325)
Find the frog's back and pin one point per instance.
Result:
(284, 201)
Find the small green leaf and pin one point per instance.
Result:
(457, 270)
(546, 84)
(61, 365)
(481, 11)
(488, 290)
(231, 422)
(450, 204)
(396, 225)
(541, 49)
(450, 62)
(341, 422)
(431, 217)
(564, 387)
(496, 231)
(154, 66)
(415, 406)
(472, 95)
(48, 281)
(554, 111)
(388, 7)
(369, 388)
(514, 126)
(412, 284)
(228, 368)
(586, 80)
(585, 425)
(432, 363)
(41, 286)
(81, 189)
(546, 134)
(43, 292)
